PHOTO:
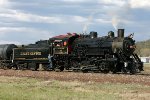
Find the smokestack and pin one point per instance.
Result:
(121, 33)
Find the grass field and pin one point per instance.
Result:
(147, 68)
(23, 88)
(15, 88)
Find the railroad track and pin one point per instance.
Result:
(142, 78)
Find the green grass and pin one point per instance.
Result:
(14, 88)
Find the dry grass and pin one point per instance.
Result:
(15, 88)
(73, 86)
(147, 68)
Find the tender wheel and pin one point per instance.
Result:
(33, 66)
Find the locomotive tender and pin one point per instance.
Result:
(25, 57)
(84, 52)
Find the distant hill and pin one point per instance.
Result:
(143, 48)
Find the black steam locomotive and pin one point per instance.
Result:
(98, 54)
(78, 53)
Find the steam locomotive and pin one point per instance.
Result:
(98, 54)
(77, 52)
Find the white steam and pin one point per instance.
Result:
(115, 22)
(89, 20)
(121, 15)
(119, 22)
(87, 23)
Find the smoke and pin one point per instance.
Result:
(115, 22)
(118, 22)
(121, 15)
(89, 20)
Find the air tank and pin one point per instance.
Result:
(6, 51)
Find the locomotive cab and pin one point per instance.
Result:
(63, 44)
(60, 47)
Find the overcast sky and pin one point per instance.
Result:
(26, 21)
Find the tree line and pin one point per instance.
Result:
(143, 48)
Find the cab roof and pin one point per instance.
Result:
(65, 36)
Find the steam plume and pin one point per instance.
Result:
(90, 18)
(115, 22)
(120, 16)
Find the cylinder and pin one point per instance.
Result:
(121, 33)
(93, 34)
(6, 51)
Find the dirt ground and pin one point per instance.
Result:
(142, 79)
